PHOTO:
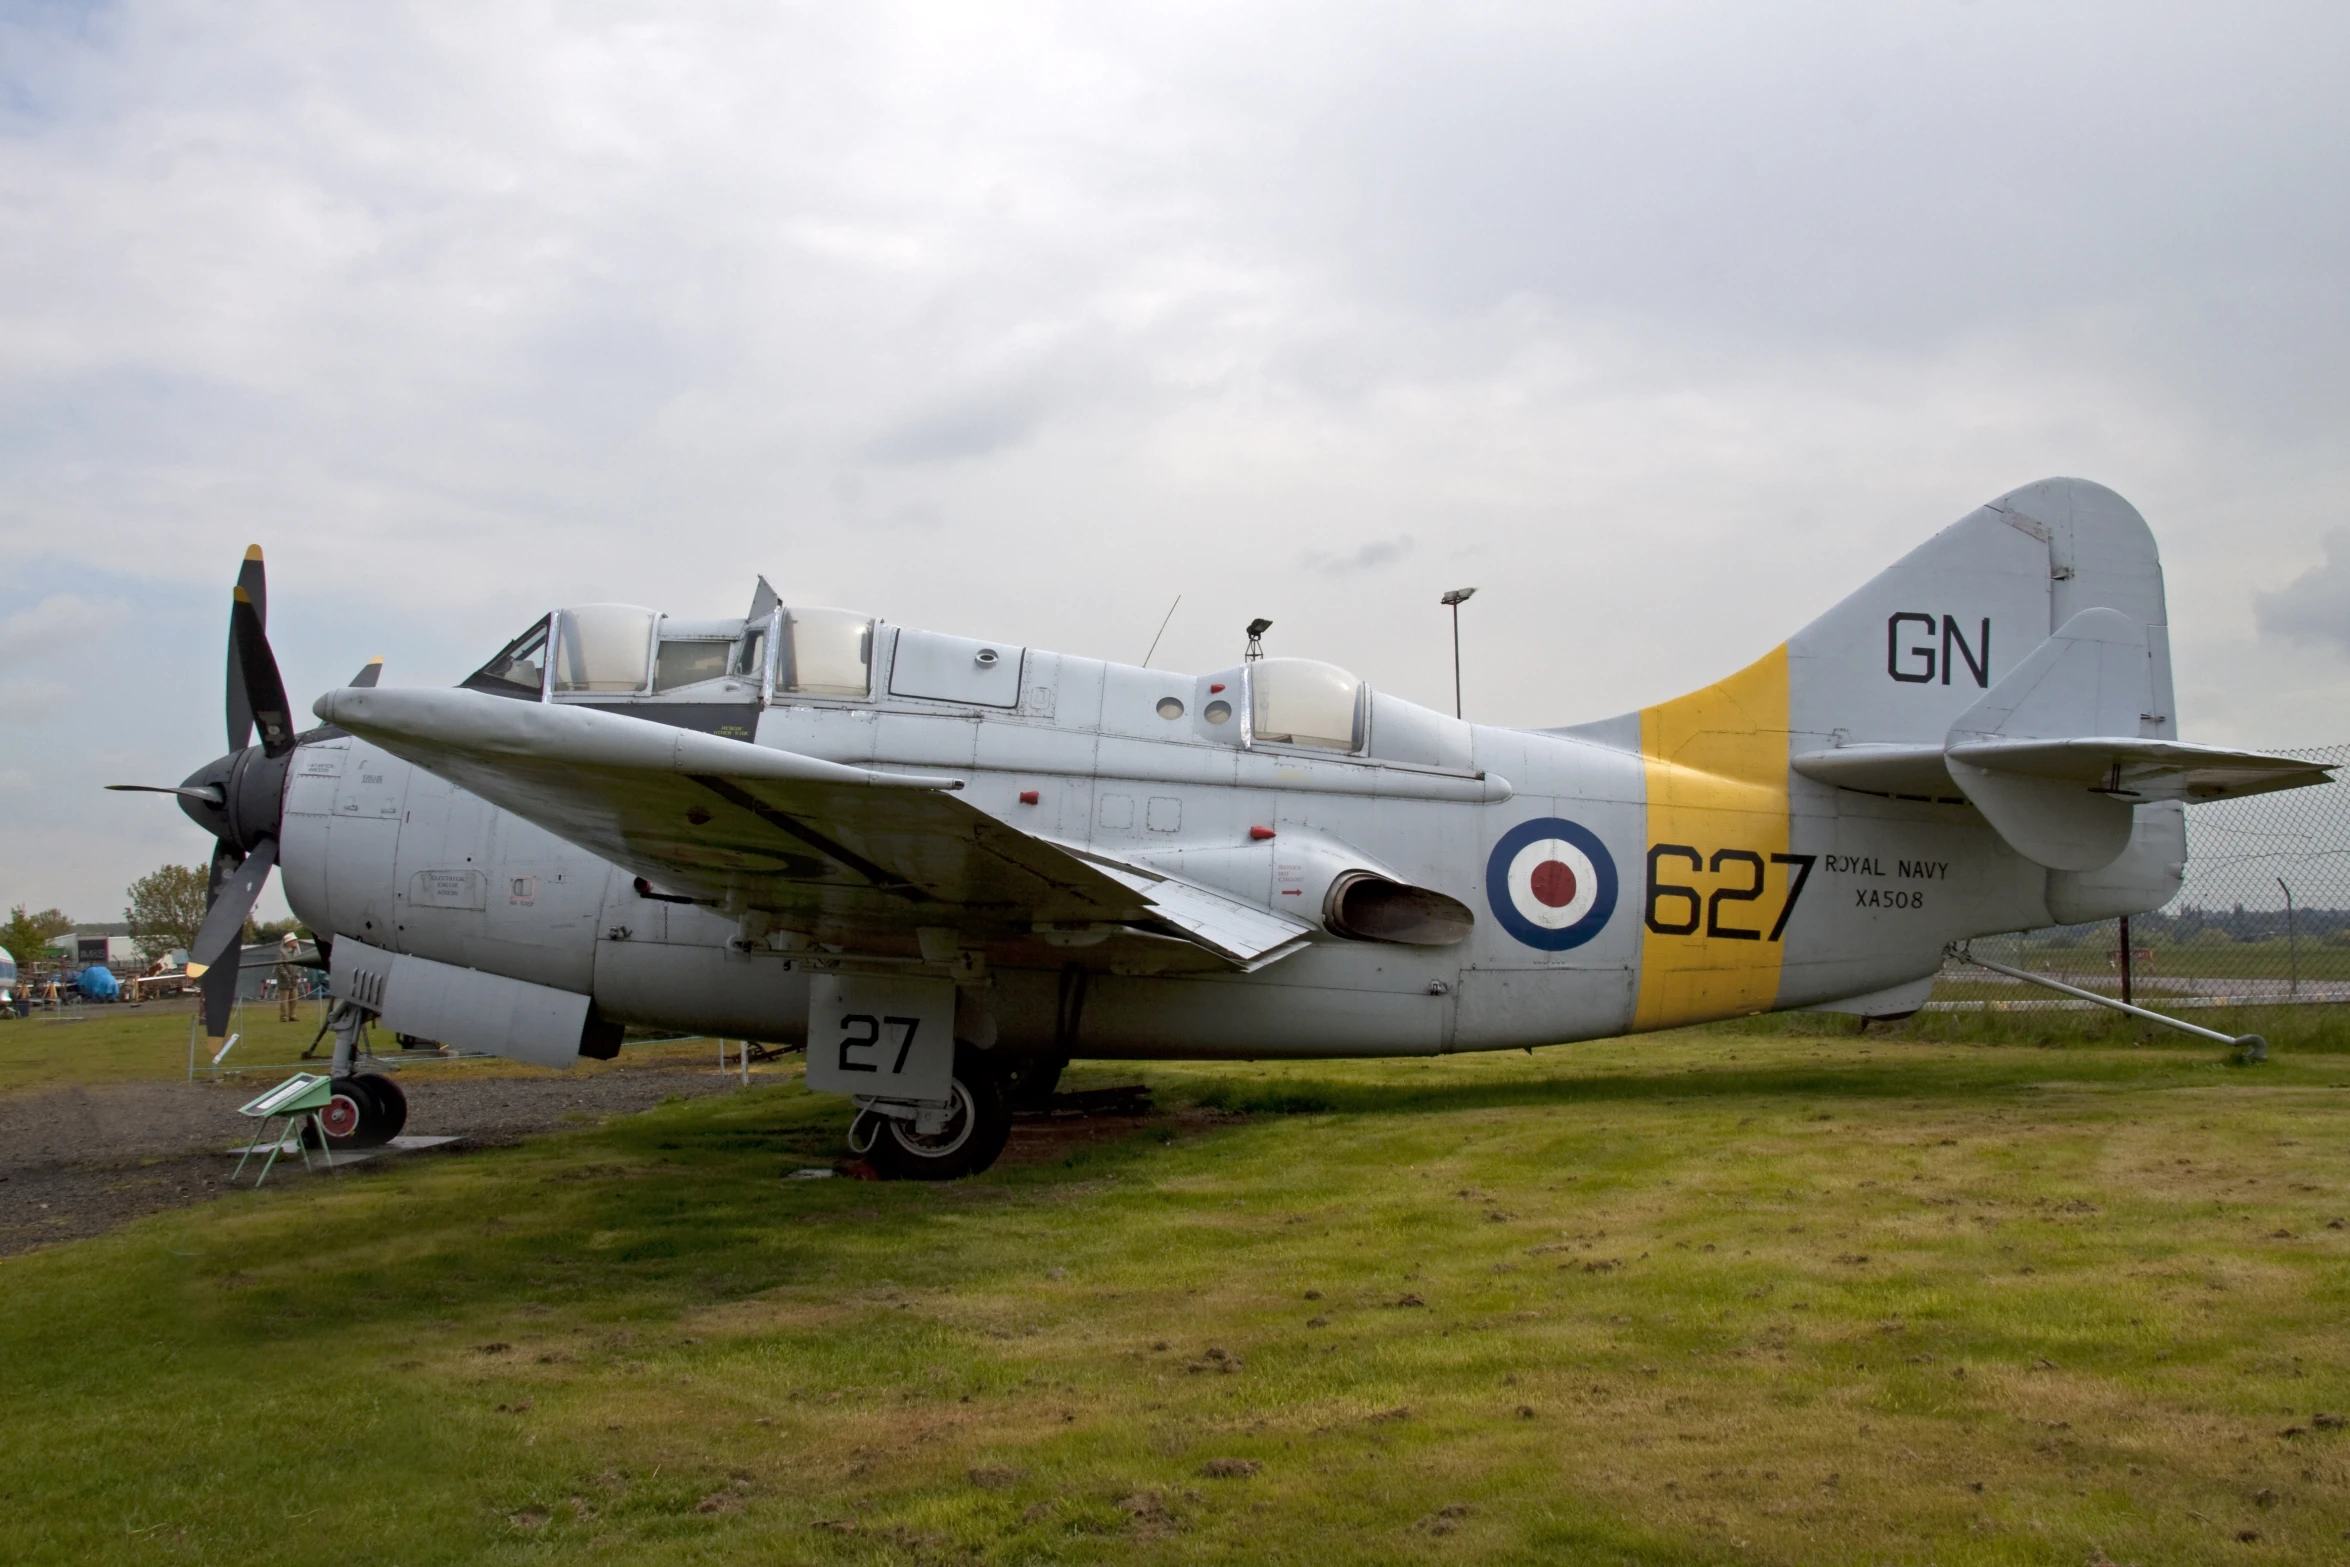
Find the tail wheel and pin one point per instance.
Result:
(978, 1124)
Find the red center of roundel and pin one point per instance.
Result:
(1553, 882)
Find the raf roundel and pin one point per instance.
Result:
(1551, 883)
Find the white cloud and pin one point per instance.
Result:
(1666, 324)
(2315, 606)
(59, 625)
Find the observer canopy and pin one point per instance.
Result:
(1300, 701)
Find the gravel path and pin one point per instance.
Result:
(79, 1161)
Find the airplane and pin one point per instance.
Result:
(947, 866)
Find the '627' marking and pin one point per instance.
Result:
(1747, 870)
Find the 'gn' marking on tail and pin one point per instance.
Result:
(1914, 662)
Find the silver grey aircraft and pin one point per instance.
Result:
(947, 865)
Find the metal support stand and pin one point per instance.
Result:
(2292, 941)
(2125, 923)
(2250, 1048)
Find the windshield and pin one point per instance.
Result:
(518, 670)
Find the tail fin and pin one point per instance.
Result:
(2043, 699)
(1902, 659)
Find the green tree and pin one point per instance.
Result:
(27, 936)
(167, 907)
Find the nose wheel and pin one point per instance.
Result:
(367, 1111)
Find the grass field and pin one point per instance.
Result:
(149, 1043)
(1767, 1293)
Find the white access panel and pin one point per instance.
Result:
(881, 1038)
(955, 669)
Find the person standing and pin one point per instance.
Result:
(289, 979)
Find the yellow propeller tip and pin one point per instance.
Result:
(252, 552)
(379, 658)
(198, 970)
(242, 596)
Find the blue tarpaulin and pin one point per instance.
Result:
(97, 983)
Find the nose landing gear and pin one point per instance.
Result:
(367, 1111)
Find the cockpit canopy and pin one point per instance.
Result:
(684, 671)
(1299, 701)
(624, 650)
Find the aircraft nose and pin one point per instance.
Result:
(237, 798)
(208, 808)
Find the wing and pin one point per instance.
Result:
(854, 854)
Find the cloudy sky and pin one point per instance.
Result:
(1664, 325)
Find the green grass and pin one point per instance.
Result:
(2222, 960)
(148, 1042)
(1764, 1293)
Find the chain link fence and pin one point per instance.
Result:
(2264, 917)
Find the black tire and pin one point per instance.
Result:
(1029, 1084)
(976, 1131)
(390, 1101)
(367, 1111)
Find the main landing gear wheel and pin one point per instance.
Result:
(977, 1126)
(366, 1111)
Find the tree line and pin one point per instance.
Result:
(166, 910)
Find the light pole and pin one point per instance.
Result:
(1455, 599)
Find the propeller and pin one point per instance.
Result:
(238, 798)
(253, 588)
(219, 977)
(265, 690)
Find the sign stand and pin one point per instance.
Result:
(297, 1101)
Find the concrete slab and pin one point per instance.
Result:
(343, 1156)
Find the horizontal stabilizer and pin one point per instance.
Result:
(2055, 755)
(2137, 770)
(2142, 770)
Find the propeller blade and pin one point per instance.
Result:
(219, 982)
(219, 940)
(207, 795)
(253, 583)
(374, 671)
(220, 992)
(265, 690)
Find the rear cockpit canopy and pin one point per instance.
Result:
(624, 650)
(1299, 701)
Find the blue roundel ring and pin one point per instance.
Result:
(1535, 920)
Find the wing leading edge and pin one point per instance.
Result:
(844, 852)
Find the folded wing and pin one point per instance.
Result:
(857, 854)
